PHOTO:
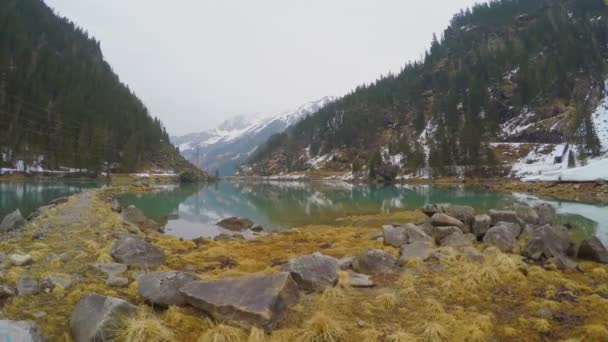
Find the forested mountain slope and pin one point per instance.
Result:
(62, 106)
(510, 82)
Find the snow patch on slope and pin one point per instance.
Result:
(600, 119)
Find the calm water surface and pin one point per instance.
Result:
(188, 211)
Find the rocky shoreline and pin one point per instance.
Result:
(123, 275)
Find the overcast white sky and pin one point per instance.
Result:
(197, 62)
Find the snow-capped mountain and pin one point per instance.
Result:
(232, 142)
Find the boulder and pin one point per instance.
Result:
(394, 236)
(546, 214)
(236, 223)
(96, 317)
(111, 268)
(504, 216)
(432, 209)
(463, 213)
(20, 260)
(439, 233)
(313, 272)
(549, 242)
(527, 214)
(501, 237)
(19, 331)
(514, 228)
(133, 216)
(133, 251)
(116, 281)
(458, 239)
(416, 250)
(359, 280)
(593, 249)
(481, 224)
(415, 233)
(374, 261)
(162, 288)
(256, 300)
(12, 221)
(443, 220)
(27, 286)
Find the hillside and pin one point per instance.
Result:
(512, 88)
(229, 145)
(61, 105)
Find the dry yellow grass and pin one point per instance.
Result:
(144, 326)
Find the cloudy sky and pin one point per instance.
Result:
(197, 62)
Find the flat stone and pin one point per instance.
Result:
(19, 331)
(111, 268)
(502, 238)
(394, 236)
(20, 260)
(504, 216)
(527, 214)
(415, 233)
(115, 281)
(593, 249)
(416, 250)
(458, 240)
(133, 251)
(443, 220)
(96, 317)
(162, 288)
(27, 286)
(257, 300)
(374, 261)
(481, 224)
(359, 280)
(236, 223)
(314, 272)
(12, 221)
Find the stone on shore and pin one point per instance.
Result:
(549, 242)
(443, 220)
(359, 280)
(133, 251)
(236, 223)
(39, 212)
(133, 216)
(458, 239)
(481, 224)
(593, 249)
(19, 331)
(502, 238)
(514, 228)
(432, 209)
(374, 261)
(504, 216)
(546, 214)
(96, 317)
(162, 288)
(415, 233)
(257, 300)
(12, 221)
(416, 250)
(314, 272)
(440, 233)
(394, 236)
(528, 214)
(463, 213)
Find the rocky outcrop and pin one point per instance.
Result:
(236, 224)
(12, 221)
(162, 288)
(96, 317)
(258, 300)
(133, 251)
(416, 250)
(314, 272)
(593, 249)
(394, 236)
(374, 261)
(19, 331)
(133, 216)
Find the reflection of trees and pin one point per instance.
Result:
(158, 205)
(28, 196)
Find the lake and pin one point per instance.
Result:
(188, 211)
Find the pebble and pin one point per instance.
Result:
(115, 281)
(20, 260)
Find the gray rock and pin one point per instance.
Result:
(504, 216)
(96, 317)
(359, 280)
(440, 233)
(19, 331)
(458, 240)
(374, 261)
(550, 242)
(58, 201)
(346, 263)
(225, 237)
(443, 220)
(375, 235)
(133, 216)
(6, 291)
(527, 214)
(415, 233)
(593, 249)
(12, 221)
(39, 212)
(162, 288)
(481, 224)
(111, 268)
(432, 209)
(50, 282)
(236, 223)
(546, 214)
(257, 300)
(514, 228)
(116, 281)
(502, 238)
(463, 213)
(20, 260)
(137, 274)
(394, 236)
(314, 272)
(416, 250)
(115, 206)
(473, 254)
(27, 286)
(133, 251)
